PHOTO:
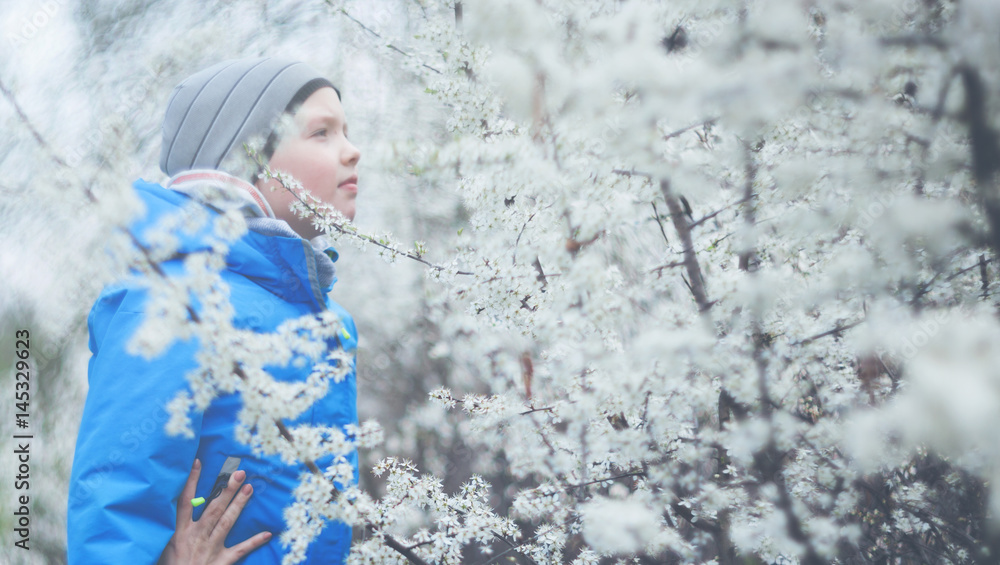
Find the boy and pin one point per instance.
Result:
(127, 472)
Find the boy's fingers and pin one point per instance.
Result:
(231, 514)
(241, 550)
(217, 506)
(184, 503)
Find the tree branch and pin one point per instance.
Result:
(683, 228)
(376, 34)
(703, 525)
(839, 329)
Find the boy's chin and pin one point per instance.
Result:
(348, 211)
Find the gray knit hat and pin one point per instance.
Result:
(212, 113)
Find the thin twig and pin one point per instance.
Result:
(834, 331)
(689, 128)
(690, 259)
(341, 228)
(34, 132)
(376, 34)
(914, 40)
(533, 410)
(749, 213)
(967, 269)
(607, 479)
(704, 219)
(703, 525)
(631, 173)
(656, 216)
(671, 265)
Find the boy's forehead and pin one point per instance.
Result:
(322, 105)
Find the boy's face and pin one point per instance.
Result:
(316, 153)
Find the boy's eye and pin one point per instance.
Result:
(320, 132)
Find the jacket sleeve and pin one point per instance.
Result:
(127, 472)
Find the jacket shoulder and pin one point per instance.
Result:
(168, 214)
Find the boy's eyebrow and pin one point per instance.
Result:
(325, 118)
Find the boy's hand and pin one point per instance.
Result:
(202, 542)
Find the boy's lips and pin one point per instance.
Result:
(350, 184)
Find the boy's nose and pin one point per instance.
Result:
(351, 155)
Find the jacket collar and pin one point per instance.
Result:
(222, 191)
(285, 266)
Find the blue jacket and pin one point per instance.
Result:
(128, 473)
